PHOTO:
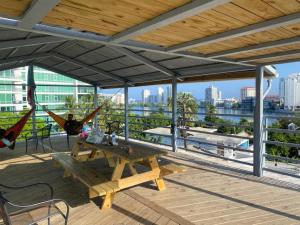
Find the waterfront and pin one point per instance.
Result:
(233, 115)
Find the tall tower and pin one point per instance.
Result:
(145, 95)
(160, 95)
(211, 95)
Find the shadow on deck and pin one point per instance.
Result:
(207, 193)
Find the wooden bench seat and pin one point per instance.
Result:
(170, 168)
(98, 185)
(167, 169)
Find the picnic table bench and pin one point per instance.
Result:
(106, 187)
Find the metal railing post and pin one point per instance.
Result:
(96, 119)
(126, 131)
(258, 124)
(266, 133)
(174, 114)
(31, 76)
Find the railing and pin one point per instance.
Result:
(282, 163)
(222, 145)
(240, 154)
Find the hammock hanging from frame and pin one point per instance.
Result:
(17, 128)
(61, 121)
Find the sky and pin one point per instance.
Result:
(229, 89)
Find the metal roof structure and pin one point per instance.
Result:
(126, 42)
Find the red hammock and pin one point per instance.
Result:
(17, 128)
(61, 121)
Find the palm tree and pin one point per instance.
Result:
(187, 108)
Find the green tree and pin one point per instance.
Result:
(210, 114)
(187, 108)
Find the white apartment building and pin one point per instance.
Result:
(145, 95)
(160, 95)
(289, 91)
(212, 95)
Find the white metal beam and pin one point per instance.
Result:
(92, 68)
(36, 12)
(22, 58)
(84, 36)
(262, 46)
(247, 30)
(179, 13)
(145, 61)
(29, 42)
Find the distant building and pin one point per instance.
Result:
(160, 95)
(52, 89)
(169, 93)
(229, 102)
(271, 102)
(145, 95)
(211, 95)
(247, 92)
(248, 103)
(281, 90)
(118, 99)
(152, 99)
(289, 90)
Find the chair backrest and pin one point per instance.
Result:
(46, 131)
(3, 210)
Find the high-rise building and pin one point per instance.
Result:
(52, 89)
(160, 95)
(289, 90)
(169, 93)
(281, 89)
(211, 95)
(118, 98)
(247, 92)
(145, 95)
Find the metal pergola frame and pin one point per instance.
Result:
(120, 42)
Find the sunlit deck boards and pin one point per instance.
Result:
(204, 194)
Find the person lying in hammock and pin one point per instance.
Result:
(72, 126)
(7, 139)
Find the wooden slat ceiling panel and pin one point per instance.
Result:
(267, 51)
(13, 8)
(107, 17)
(238, 13)
(270, 60)
(253, 39)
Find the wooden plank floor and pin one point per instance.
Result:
(207, 193)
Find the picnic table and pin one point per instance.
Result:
(117, 159)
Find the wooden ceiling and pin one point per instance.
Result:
(109, 17)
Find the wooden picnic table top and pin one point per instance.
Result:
(139, 151)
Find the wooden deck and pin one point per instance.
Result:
(207, 193)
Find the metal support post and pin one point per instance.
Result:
(174, 115)
(30, 76)
(126, 130)
(96, 119)
(258, 124)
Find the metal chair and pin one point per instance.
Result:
(43, 133)
(33, 213)
(113, 126)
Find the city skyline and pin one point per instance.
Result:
(198, 89)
